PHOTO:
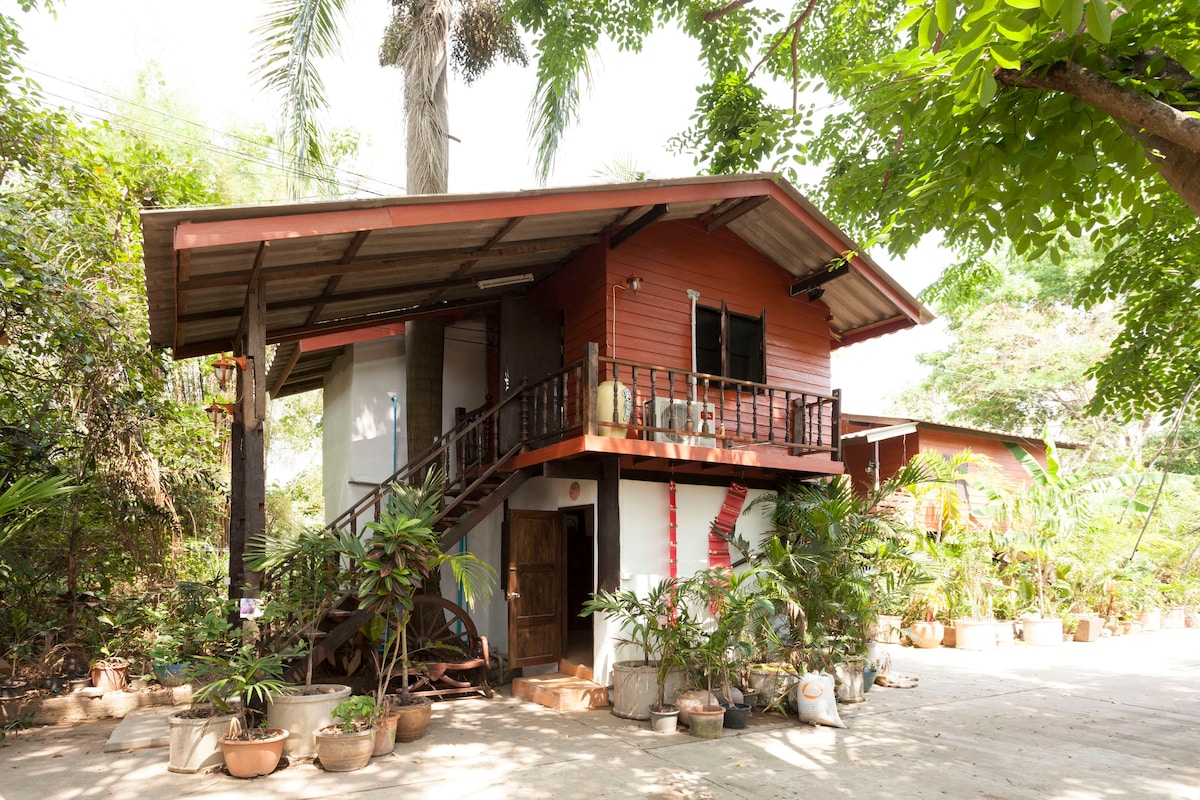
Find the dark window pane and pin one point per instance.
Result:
(745, 348)
(708, 340)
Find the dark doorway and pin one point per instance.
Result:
(578, 526)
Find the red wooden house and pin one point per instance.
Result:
(706, 306)
(874, 448)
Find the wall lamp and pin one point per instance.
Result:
(633, 283)
(223, 368)
(217, 410)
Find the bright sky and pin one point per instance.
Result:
(205, 53)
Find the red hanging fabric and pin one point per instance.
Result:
(718, 543)
(672, 559)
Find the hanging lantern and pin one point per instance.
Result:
(223, 368)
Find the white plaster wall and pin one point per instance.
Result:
(335, 437)
(361, 438)
(645, 537)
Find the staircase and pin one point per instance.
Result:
(478, 484)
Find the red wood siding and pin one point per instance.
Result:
(952, 443)
(578, 289)
(654, 325)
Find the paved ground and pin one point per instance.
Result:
(1119, 718)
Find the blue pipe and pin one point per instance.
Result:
(395, 433)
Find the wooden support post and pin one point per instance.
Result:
(254, 404)
(608, 526)
(237, 496)
(591, 382)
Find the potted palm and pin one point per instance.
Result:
(250, 748)
(401, 553)
(657, 624)
(300, 567)
(742, 608)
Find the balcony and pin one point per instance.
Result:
(679, 422)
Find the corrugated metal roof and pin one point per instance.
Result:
(338, 266)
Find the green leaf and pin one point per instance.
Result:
(1014, 29)
(913, 16)
(1005, 56)
(968, 62)
(1099, 20)
(1024, 4)
(1072, 15)
(926, 31)
(987, 90)
(945, 14)
(1051, 7)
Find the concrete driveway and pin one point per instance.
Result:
(1118, 718)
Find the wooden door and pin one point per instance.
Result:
(534, 546)
(530, 348)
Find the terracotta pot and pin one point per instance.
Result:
(706, 722)
(253, 757)
(339, 751)
(412, 721)
(385, 736)
(927, 634)
(110, 677)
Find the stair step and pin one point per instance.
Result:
(561, 692)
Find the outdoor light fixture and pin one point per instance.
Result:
(223, 368)
(505, 280)
(217, 410)
(633, 283)
(871, 466)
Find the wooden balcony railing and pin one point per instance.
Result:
(678, 406)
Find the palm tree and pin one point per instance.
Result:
(423, 37)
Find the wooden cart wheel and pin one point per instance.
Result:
(436, 620)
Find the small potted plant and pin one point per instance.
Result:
(250, 748)
(111, 673)
(347, 744)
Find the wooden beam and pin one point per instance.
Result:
(653, 215)
(741, 209)
(349, 297)
(254, 414)
(286, 370)
(608, 525)
(252, 289)
(183, 271)
(320, 269)
(572, 470)
(331, 285)
(349, 324)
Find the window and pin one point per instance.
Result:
(730, 345)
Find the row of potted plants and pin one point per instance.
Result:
(387, 569)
